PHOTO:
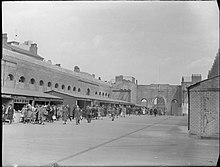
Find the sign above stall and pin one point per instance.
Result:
(6, 96)
(22, 97)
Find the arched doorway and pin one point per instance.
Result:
(174, 107)
(159, 103)
(144, 102)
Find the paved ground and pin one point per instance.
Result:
(134, 140)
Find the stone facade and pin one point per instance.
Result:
(129, 90)
(42, 76)
(125, 89)
(25, 70)
(169, 93)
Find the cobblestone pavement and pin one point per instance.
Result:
(134, 140)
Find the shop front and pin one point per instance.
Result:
(18, 98)
(84, 100)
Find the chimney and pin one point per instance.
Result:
(33, 48)
(76, 69)
(119, 78)
(196, 78)
(4, 38)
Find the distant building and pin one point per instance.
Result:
(186, 82)
(166, 98)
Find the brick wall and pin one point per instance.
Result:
(204, 108)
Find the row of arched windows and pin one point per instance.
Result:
(49, 84)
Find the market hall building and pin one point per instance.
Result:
(26, 78)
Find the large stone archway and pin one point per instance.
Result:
(159, 102)
(166, 93)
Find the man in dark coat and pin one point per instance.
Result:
(10, 112)
(155, 112)
(88, 114)
(113, 112)
(77, 115)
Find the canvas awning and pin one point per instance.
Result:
(28, 93)
(89, 97)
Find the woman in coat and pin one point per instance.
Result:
(10, 112)
(77, 114)
(64, 114)
(41, 114)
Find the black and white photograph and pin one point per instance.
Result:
(110, 83)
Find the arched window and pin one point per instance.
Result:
(56, 85)
(79, 89)
(41, 82)
(69, 88)
(49, 84)
(96, 93)
(74, 88)
(22, 79)
(32, 81)
(108, 95)
(100, 93)
(10, 77)
(63, 86)
(105, 94)
(88, 92)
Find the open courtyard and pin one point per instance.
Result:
(133, 140)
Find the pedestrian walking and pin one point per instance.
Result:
(42, 113)
(102, 112)
(77, 114)
(99, 112)
(88, 114)
(69, 112)
(113, 111)
(123, 111)
(155, 112)
(10, 113)
(33, 114)
(64, 114)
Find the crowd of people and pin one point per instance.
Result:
(39, 114)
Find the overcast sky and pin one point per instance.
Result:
(155, 42)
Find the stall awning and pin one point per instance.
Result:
(21, 92)
(140, 105)
(88, 97)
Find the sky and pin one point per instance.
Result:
(154, 42)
